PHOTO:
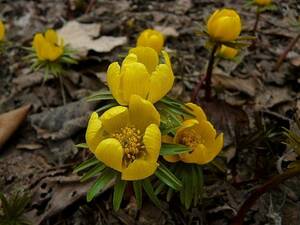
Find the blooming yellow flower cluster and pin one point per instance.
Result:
(49, 46)
(127, 138)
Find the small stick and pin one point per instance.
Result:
(62, 89)
(282, 57)
(273, 182)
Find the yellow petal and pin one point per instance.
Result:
(2, 31)
(185, 126)
(135, 80)
(54, 53)
(167, 59)
(142, 113)
(197, 111)
(114, 119)
(152, 142)
(161, 82)
(139, 169)
(51, 36)
(38, 42)
(113, 78)
(206, 131)
(199, 155)
(171, 158)
(146, 56)
(151, 38)
(93, 133)
(211, 20)
(110, 152)
(130, 58)
(227, 28)
(167, 139)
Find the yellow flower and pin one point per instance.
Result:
(227, 52)
(140, 74)
(151, 38)
(224, 25)
(49, 47)
(2, 31)
(198, 134)
(263, 2)
(127, 139)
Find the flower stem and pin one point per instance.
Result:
(282, 57)
(207, 79)
(256, 20)
(273, 182)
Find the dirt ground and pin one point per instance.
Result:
(252, 103)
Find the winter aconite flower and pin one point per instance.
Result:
(263, 2)
(224, 25)
(2, 31)
(227, 52)
(127, 139)
(48, 47)
(141, 73)
(198, 134)
(151, 38)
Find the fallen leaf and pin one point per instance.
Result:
(248, 86)
(82, 38)
(62, 122)
(10, 121)
(167, 31)
(31, 146)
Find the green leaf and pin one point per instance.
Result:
(173, 149)
(119, 189)
(150, 192)
(96, 170)
(100, 183)
(137, 187)
(170, 194)
(82, 145)
(166, 176)
(100, 95)
(197, 180)
(159, 188)
(187, 190)
(107, 106)
(86, 164)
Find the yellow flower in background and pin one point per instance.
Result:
(151, 38)
(224, 25)
(2, 31)
(49, 47)
(140, 74)
(227, 52)
(263, 2)
(127, 139)
(198, 134)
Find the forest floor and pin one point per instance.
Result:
(252, 103)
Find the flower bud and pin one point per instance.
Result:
(263, 2)
(227, 52)
(151, 38)
(224, 25)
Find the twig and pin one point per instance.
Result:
(256, 20)
(62, 89)
(282, 57)
(273, 182)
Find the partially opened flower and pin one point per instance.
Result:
(141, 74)
(198, 134)
(224, 25)
(48, 47)
(263, 2)
(127, 139)
(151, 38)
(227, 52)
(2, 31)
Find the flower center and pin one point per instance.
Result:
(131, 141)
(191, 139)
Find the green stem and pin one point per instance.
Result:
(273, 182)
